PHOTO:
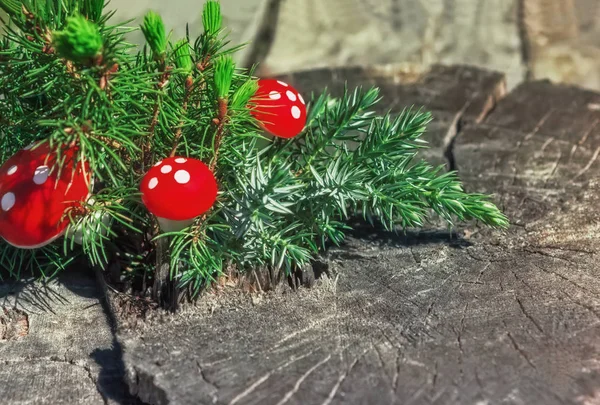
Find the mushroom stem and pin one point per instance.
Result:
(77, 233)
(169, 225)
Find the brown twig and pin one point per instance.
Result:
(162, 83)
(220, 122)
(106, 74)
(189, 87)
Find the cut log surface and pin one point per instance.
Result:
(486, 317)
(62, 348)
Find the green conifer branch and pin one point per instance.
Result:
(153, 29)
(212, 18)
(68, 76)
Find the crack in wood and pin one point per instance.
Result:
(459, 341)
(519, 350)
(528, 316)
(90, 375)
(215, 397)
(565, 278)
(396, 377)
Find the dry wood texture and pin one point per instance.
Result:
(57, 345)
(485, 318)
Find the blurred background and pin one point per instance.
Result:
(525, 39)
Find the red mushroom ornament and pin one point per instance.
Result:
(177, 190)
(34, 196)
(279, 108)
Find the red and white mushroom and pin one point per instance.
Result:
(34, 196)
(177, 190)
(279, 108)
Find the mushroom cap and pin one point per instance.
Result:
(34, 199)
(279, 108)
(179, 188)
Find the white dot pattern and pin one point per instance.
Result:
(180, 160)
(12, 170)
(41, 175)
(166, 169)
(296, 112)
(182, 177)
(29, 146)
(293, 96)
(158, 164)
(8, 201)
(290, 94)
(153, 183)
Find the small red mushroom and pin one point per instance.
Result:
(177, 190)
(279, 108)
(34, 199)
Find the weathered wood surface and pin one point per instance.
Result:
(455, 95)
(59, 348)
(485, 318)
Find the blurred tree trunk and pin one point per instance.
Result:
(563, 40)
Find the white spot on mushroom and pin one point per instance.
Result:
(152, 183)
(8, 200)
(41, 174)
(166, 169)
(296, 112)
(180, 160)
(284, 84)
(12, 170)
(290, 95)
(158, 163)
(182, 177)
(274, 95)
(301, 99)
(29, 146)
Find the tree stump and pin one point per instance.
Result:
(477, 317)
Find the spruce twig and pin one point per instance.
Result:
(279, 202)
(220, 123)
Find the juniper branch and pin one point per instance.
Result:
(280, 201)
